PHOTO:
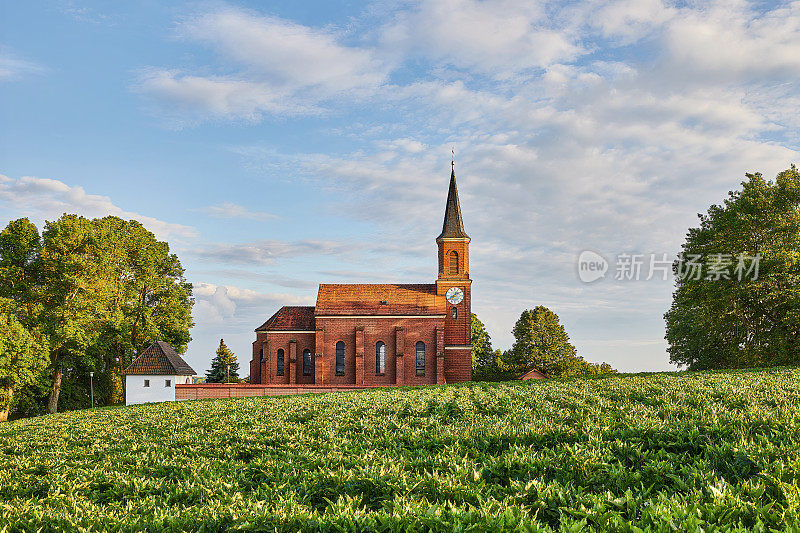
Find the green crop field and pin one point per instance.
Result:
(661, 452)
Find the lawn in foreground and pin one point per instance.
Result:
(661, 451)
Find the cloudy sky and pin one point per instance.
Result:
(277, 145)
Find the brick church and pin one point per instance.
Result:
(377, 334)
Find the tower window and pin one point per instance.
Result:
(455, 312)
(306, 362)
(453, 262)
(420, 358)
(380, 358)
(340, 358)
(280, 362)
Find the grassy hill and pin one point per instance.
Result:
(661, 451)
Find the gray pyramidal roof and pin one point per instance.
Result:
(159, 359)
(453, 227)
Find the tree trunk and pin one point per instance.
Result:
(9, 395)
(116, 391)
(52, 403)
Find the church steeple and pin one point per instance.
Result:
(453, 242)
(453, 226)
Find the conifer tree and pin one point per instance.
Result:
(224, 366)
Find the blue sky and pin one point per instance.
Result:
(277, 145)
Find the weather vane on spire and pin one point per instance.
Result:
(453, 158)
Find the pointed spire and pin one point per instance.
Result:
(453, 227)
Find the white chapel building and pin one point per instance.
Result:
(152, 376)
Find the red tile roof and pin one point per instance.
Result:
(159, 359)
(379, 299)
(290, 318)
(533, 374)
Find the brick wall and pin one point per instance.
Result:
(385, 330)
(271, 342)
(201, 391)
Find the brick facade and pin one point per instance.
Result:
(425, 338)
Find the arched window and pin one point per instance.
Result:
(262, 354)
(420, 358)
(453, 262)
(306, 362)
(455, 312)
(280, 362)
(340, 358)
(380, 358)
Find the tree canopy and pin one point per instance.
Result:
(736, 302)
(93, 292)
(542, 343)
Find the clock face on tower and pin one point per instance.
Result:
(454, 295)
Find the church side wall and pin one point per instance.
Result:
(385, 330)
(273, 341)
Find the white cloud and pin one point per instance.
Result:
(730, 40)
(497, 37)
(265, 252)
(231, 210)
(282, 68)
(286, 54)
(630, 20)
(187, 99)
(13, 67)
(218, 303)
(44, 198)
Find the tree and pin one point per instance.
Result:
(94, 292)
(21, 360)
(224, 367)
(484, 359)
(150, 298)
(72, 293)
(541, 343)
(736, 302)
(19, 250)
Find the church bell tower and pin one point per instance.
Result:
(454, 284)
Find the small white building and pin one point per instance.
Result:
(152, 376)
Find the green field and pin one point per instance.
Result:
(665, 452)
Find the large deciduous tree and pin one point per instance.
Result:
(224, 366)
(74, 294)
(541, 343)
(149, 297)
(94, 292)
(737, 296)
